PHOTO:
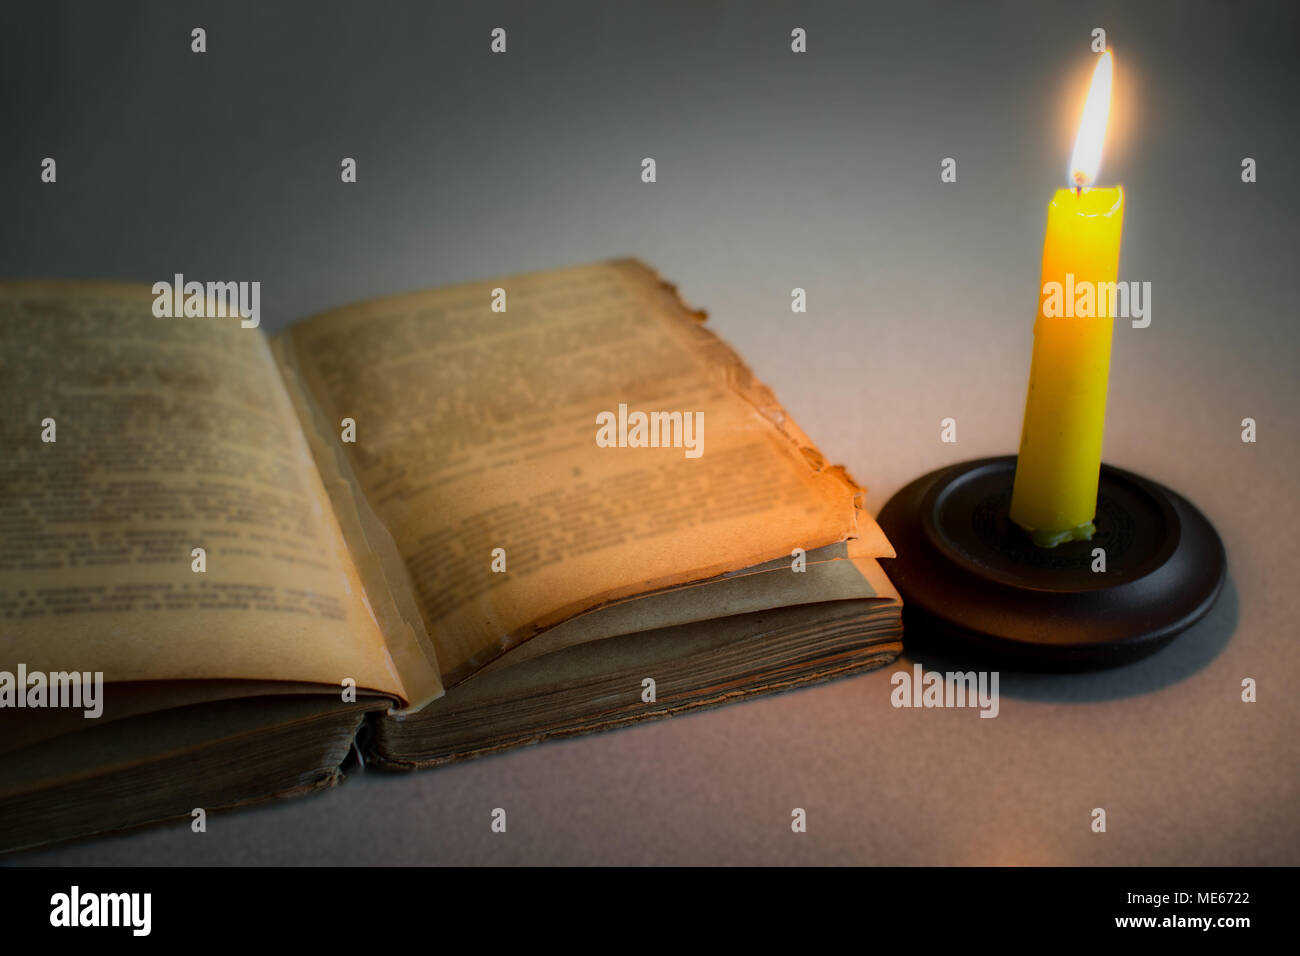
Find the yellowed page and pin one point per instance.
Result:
(170, 434)
(370, 545)
(476, 430)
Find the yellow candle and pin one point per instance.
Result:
(1055, 493)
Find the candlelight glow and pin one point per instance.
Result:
(1086, 160)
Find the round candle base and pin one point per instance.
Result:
(975, 586)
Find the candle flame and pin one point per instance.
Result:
(1086, 160)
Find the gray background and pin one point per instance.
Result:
(775, 170)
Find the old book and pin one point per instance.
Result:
(412, 530)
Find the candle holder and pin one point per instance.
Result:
(975, 585)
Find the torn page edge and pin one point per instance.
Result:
(742, 381)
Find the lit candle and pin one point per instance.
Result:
(1055, 493)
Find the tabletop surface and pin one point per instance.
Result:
(775, 170)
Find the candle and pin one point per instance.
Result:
(1054, 497)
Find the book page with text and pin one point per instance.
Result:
(499, 447)
(127, 441)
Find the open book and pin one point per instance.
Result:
(416, 529)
